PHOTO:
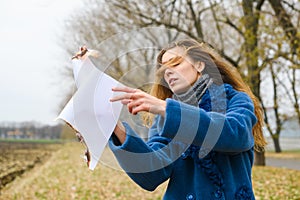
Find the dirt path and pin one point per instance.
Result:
(285, 163)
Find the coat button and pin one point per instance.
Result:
(189, 197)
(184, 155)
(218, 194)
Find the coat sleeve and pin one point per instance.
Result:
(228, 132)
(147, 163)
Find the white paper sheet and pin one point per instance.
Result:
(89, 111)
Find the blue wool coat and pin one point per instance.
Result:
(205, 152)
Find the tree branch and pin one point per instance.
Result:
(291, 6)
(232, 25)
(196, 20)
(217, 24)
(286, 24)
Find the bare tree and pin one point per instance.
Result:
(238, 29)
(292, 32)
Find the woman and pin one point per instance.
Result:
(205, 127)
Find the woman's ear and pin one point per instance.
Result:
(200, 66)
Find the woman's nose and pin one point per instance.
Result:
(168, 71)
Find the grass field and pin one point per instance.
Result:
(64, 175)
(289, 154)
(31, 141)
(18, 157)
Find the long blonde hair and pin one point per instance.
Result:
(219, 70)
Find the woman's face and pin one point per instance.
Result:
(179, 75)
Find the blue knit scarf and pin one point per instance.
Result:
(193, 95)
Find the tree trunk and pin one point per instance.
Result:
(259, 159)
(251, 23)
(276, 143)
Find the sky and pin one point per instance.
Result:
(30, 32)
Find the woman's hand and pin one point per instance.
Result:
(137, 101)
(120, 132)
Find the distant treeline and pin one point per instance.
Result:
(31, 130)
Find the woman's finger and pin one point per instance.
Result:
(126, 101)
(121, 97)
(135, 103)
(130, 93)
(138, 105)
(139, 108)
(124, 89)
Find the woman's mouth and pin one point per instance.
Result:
(172, 81)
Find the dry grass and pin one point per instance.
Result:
(284, 155)
(65, 176)
(276, 183)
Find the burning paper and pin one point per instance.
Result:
(89, 111)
